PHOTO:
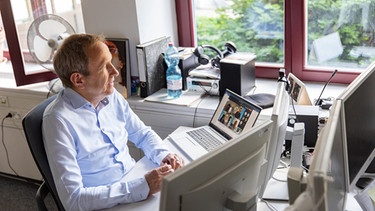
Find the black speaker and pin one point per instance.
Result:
(308, 115)
(188, 61)
(237, 73)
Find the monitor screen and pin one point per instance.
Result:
(234, 114)
(298, 91)
(358, 111)
(280, 113)
(215, 180)
(326, 189)
(345, 149)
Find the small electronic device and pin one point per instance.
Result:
(206, 85)
(309, 115)
(298, 91)
(326, 104)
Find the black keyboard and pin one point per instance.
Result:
(204, 138)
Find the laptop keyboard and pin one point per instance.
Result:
(204, 138)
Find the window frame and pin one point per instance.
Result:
(15, 52)
(294, 41)
(294, 45)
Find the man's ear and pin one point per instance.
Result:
(77, 80)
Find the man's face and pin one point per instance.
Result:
(100, 82)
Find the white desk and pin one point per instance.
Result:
(197, 114)
(152, 203)
(193, 116)
(280, 188)
(201, 111)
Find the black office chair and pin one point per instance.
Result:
(32, 125)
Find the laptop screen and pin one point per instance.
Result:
(297, 90)
(234, 115)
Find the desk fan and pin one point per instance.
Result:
(45, 35)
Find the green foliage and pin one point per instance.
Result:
(258, 26)
(240, 22)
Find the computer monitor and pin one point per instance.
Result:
(219, 178)
(279, 117)
(298, 91)
(358, 113)
(326, 189)
(345, 149)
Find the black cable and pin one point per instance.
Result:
(51, 88)
(286, 150)
(318, 101)
(294, 108)
(3, 141)
(206, 91)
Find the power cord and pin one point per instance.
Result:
(9, 115)
(294, 108)
(208, 91)
(269, 205)
(55, 86)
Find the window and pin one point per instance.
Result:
(17, 16)
(254, 26)
(308, 38)
(286, 33)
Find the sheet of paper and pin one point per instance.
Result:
(187, 97)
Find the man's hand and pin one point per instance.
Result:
(174, 160)
(155, 176)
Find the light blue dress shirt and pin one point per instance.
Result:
(88, 153)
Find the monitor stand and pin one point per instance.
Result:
(242, 202)
(297, 183)
(297, 144)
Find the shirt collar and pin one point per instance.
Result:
(77, 101)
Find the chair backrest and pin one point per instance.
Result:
(32, 125)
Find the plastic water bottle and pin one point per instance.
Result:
(173, 74)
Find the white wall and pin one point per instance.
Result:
(156, 19)
(139, 20)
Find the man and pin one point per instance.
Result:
(86, 129)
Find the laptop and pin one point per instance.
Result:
(233, 115)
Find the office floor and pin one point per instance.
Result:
(20, 195)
